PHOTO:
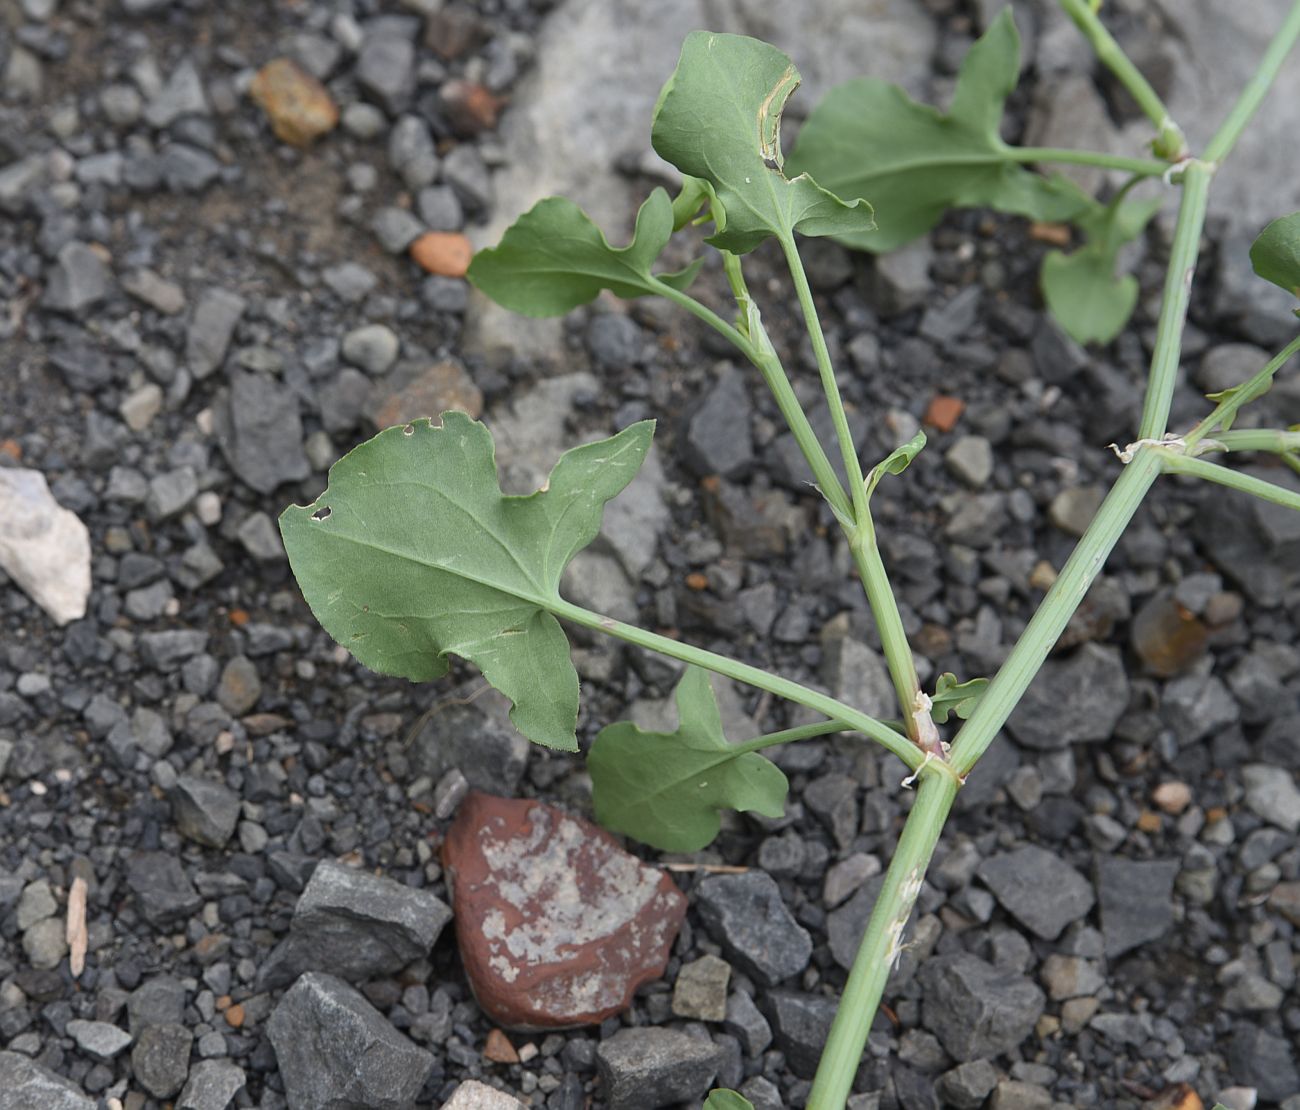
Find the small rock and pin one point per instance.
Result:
(205, 811)
(1077, 699)
(1136, 899)
(356, 925)
(746, 1023)
(900, 279)
(1039, 889)
(260, 433)
(155, 291)
(411, 152)
(801, 1023)
(447, 253)
(261, 538)
(470, 108)
(1271, 794)
(79, 280)
(614, 341)
(943, 412)
(1013, 1094)
(99, 1039)
(846, 876)
(386, 70)
(415, 391)
(374, 348)
(1072, 509)
(609, 920)
(440, 209)
(212, 1085)
(396, 228)
(240, 686)
(746, 915)
(163, 892)
(171, 492)
(966, 1086)
(1167, 636)
(44, 548)
(971, 460)
(1067, 977)
(644, 1068)
(140, 408)
(25, 1085)
(182, 95)
(700, 991)
(498, 1048)
(299, 107)
(975, 1009)
(208, 337)
(1263, 1060)
(45, 943)
(473, 1095)
(719, 439)
(161, 1058)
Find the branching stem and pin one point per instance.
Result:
(1142, 167)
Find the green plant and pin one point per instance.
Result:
(413, 553)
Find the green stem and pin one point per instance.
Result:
(852, 468)
(1274, 440)
(1169, 142)
(1174, 463)
(1256, 88)
(743, 672)
(1142, 167)
(880, 946)
(1173, 307)
(1254, 386)
(759, 351)
(1047, 624)
(889, 622)
(790, 735)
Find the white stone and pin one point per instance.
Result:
(473, 1095)
(44, 548)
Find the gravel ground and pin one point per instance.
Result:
(198, 318)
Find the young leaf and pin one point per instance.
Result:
(1276, 253)
(722, 1099)
(719, 119)
(553, 258)
(1081, 288)
(868, 138)
(666, 789)
(413, 553)
(951, 696)
(895, 462)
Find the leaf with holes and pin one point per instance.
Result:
(1081, 288)
(719, 119)
(413, 554)
(1275, 255)
(667, 789)
(868, 138)
(553, 259)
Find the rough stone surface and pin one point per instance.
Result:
(44, 548)
(335, 1049)
(557, 925)
(210, 330)
(261, 432)
(976, 1009)
(204, 810)
(1136, 899)
(645, 1068)
(161, 1058)
(1039, 889)
(299, 107)
(412, 392)
(212, 1085)
(25, 1085)
(101, 1039)
(801, 1024)
(356, 926)
(1072, 700)
(747, 916)
(701, 989)
(162, 889)
(473, 1095)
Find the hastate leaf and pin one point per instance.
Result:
(719, 119)
(1276, 253)
(553, 258)
(951, 696)
(1081, 288)
(413, 554)
(667, 789)
(868, 138)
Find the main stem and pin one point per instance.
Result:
(882, 943)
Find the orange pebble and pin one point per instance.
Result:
(447, 253)
(944, 412)
(498, 1048)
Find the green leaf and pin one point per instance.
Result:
(1081, 288)
(413, 553)
(727, 1100)
(666, 789)
(868, 138)
(895, 462)
(951, 696)
(553, 258)
(719, 119)
(1276, 253)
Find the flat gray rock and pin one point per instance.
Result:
(25, 1085)
(648, 1067)
(260, 432)
(1072, 700)
(976, 1009)
(212, 1085)
(747, 916)
(1038, 889)
(335, 1049)
(1137, 901)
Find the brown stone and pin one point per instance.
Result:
(455, 30)
(1285, 899)
(557, 925)
(1168, 637)
(412, 392)
(299, 107)
(498, 1048)
(470, 108)
(447, 253)
(943, 412)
